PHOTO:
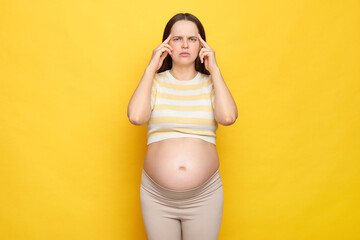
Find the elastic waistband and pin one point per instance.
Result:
(213, 183)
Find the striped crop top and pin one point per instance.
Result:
(182, 108)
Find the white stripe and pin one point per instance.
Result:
(190, 114)
(159, 126)
(200, 102)
(186, 92)
(167, 80)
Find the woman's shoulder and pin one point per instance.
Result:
(204, 76)
(161, 75)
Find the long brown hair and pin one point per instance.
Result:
(167, 63)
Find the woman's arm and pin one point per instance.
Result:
(225, 108)
(139, 107)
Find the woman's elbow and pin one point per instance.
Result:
(137, 120)
(228, 120)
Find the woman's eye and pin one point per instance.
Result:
(193, 39)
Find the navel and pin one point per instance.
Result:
(182, 168)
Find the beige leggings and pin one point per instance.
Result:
(193, 214)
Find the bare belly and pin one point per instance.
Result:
(181, 163)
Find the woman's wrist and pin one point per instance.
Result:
(215, 71)
(150, 69)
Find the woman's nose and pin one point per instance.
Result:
(185, 44)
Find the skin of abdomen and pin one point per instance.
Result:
(181, 163)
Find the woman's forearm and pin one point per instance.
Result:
(139, 107)
(225, 108)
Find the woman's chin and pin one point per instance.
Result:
(184, 61)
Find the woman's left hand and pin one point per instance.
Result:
(207, 55)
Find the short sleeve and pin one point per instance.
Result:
(154, 89)
(212, 95)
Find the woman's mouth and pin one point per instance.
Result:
(184, 54)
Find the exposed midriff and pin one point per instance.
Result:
(181, 163)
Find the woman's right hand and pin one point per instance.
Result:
(160, 53)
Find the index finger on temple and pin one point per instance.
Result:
(168, 38)
(201, 37)
(201, 40)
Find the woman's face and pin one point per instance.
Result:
(185, 43)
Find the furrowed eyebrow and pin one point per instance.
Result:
(188, 37)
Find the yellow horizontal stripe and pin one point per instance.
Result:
(183, 108)
(184, 98)
(182, 130)
(204, 76)
(182, 120)
(185, 87)
(154, 86)
(156, 78)
(163, 75)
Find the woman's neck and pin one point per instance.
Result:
(183, 72)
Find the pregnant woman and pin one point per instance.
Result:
(182, 97)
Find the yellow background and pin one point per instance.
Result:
(71, 161)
